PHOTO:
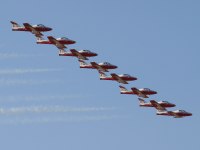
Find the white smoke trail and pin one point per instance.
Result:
(16, 82)
(13, 55)
(49, 109)
(39, 98)
(66, 119)
(24, 71)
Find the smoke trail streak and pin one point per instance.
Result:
(24, 71)
(68, 119)
(49, 109)
(39, 98)
(12, 55)
(15, 82)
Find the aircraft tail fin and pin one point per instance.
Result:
(39, 38)
(102, 74)
(82, 62)
(159, 111)
(142, 101)
(14, 24)
(61, 51)
(122, 89)
(157, 105)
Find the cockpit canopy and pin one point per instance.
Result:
(64, 38)
(40, 25)
(145, 89)
(164, 101)
(127, 75)
(84, 50)
(182, 111)
(105, 63)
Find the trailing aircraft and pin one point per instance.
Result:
(58, 42)
(122, 78)
(164, 112)
(82, 54)
(104, 66)
(144, 92)
(164, 104)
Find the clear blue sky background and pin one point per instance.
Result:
(156, 41)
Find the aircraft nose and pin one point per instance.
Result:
(134, 78)
(49, 29)
(155, 92)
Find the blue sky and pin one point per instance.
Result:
(48, 102)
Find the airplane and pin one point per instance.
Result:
(164, 112)
(58, 42)
(104, 66)
(164, 104)
(139, 92)
(123, 78)
(35, 29)
(82, 54)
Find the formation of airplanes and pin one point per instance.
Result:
(82, 56)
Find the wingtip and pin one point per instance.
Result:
(49, 36)
(121, 86)
(153, 101)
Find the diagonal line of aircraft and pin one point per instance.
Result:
(82, 55)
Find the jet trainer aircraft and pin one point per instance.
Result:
(139, 92)
(123, 78)
(82, 54)
(164, 112)
(164, 104)
(35, 29)
(105, 66)
(59, 42)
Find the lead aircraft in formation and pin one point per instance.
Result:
(82, 55)
(35, 29)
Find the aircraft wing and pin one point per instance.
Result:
(56, 42)
(118, 79)
(32, 29)
(157, 105)
(77, 54)
(98, 67)
(140, 94)
(174, 114)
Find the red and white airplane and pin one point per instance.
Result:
(164, 112)
(35, 29)
(123, 78)
(164, 104)
(139, 92)
(82, 54)
(58, 42)
(105, 66)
